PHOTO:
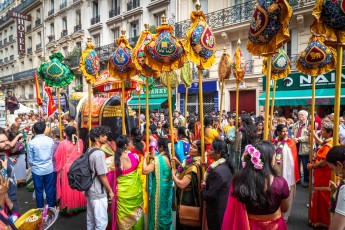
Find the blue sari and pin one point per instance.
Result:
(160, 210)
(182, 149)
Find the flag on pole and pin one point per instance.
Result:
(38, 92)
(51, 107)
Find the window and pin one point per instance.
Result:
(115, 4)
(134, 29)
(244, 50)
(95, 9)
(116, 33)
(78, 18)
(64, 24)
(39, 38)
(291, 47)
(96, 39)
(30, 42)
(38, 13)
(204, 6)
(158, 18)
(52, 30)
(51, 4)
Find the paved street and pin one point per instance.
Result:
(297, 221)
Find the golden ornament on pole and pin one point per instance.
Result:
(224, 72)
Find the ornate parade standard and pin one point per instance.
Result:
(329, 23)
(89, 67)
(186, 76)
(56, 74)
(316, 59)
(165, 53)
(200, 46)
(121, 66)
(239, 68)
(224, 72)
(269, 30)
(280, 69)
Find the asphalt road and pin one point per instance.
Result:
(297, 221)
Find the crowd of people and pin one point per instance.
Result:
(248, 183)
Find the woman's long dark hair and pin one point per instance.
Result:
(219, 146)
(71, 134)
(164, 143)
(337, 153)
(121, 143)
(183, 132)
(249, 128)
(279, 128)
(137, 139)
(252, 186)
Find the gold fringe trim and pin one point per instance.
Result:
(279, 39)
(319, 28)
(191, 55)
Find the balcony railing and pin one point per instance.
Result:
(0, 42)
(133, 4)
(29, 50)
(51, 38)
(232, 15)
(6, 60)
(30, 96)
(38, 22)
(114, 12)
(63, 5)
(23, 5)
(38, 46)
(22, 75)
(50, 12)
(5, 41)
(12, 57)
(28, 28)
(77, 28)
(64, 33)
(1, 61)
(105, 51)
(250, 66)
(133, 40)
(74, 1)
(10, 38)
(72, 62)
(95, 20)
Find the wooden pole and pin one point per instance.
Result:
(89, 120)
(172, 133)
(147, 116)
(221, 103)
(123, 108)
(59, 110)
(237, 98)
(138, 116)
(267, 99)
(311, 144)
(270, 134)
(201, 115)
(185, 106)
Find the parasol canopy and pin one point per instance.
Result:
(280, 65)
(89, 63)
(186, 74)
(224, 66)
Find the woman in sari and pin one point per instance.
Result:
(129, 198)
(68, 151)
(319, 212)
(187, 181)
(257, 195)
(286, 164)
(183, 144)
(138, 148)
(160, 210)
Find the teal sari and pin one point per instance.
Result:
(160, 211)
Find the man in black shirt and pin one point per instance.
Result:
(12, 103)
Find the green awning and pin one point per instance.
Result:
(303, 97)
(154, 103)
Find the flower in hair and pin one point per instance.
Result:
(254, 155)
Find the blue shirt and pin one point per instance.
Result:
(40, 155)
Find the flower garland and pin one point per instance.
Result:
(279, 149)
(254, 154)
(186, 162)
(212, 166)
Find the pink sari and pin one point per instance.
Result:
(71, 200)
(236, 217)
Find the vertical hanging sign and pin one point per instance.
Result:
(20, 29)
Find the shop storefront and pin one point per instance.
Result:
(294, 92)
(210, 93)
(158, 100)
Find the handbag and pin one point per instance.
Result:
(191, 215)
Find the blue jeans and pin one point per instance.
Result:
(305, 161)
(46, 183)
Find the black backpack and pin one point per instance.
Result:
(80, 174)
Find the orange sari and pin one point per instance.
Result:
(320, 205)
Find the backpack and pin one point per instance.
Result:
(80, 173)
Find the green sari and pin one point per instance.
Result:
(130, 203)
(160, 211)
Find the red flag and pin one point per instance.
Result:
(38, 93)
(50, 102)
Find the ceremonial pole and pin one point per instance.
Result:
(59, 110)
(123, 108)
(272, 108)
(170, 120)
(201, 115)
(237, 97)
(221, 102)
(139, 110)
(337, 96)
(89, 96)
(185, 106)
(267, 99)
(147, 115)
(311, 150)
